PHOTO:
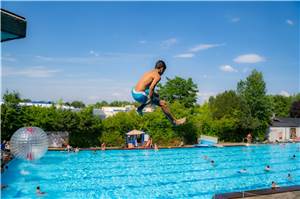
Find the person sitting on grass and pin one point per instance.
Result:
(144, 93)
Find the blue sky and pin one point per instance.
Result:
(94, 51)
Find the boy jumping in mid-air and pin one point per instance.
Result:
(144, 93)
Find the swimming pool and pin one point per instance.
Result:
(167, 173)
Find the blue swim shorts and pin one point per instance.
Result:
(140, 96)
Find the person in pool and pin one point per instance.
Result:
(267, 168)
(38, 191)
(289, 177)
(144, 93)
(242, 171)
(274, 185)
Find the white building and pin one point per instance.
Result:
(284, 129)
(48, 105)
(99, 113)
(148, 109)
(112, 110)
(40, 104)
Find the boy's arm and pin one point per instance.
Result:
(153, 84)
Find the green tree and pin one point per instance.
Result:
(295, 109)
(89, 129)
(77, 104)
(11, 98)
(10, 114)
(116, 127)
(225, 104)
(256, 113)
(179, 89)
(204, 121)
(60, 102)
(119, 103)
(101, 104)
(280, 105)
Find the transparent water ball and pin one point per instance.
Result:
(29, 143)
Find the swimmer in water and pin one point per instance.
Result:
(23, 172)
(267, 168)
(38, 191)
(242, 171)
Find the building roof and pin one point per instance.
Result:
(135, 132)
(99, 113)
(12, 26)
(285, 122)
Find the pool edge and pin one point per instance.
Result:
(257, 192)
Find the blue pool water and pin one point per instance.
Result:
(167, 173)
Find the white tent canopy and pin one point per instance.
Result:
(135, 132)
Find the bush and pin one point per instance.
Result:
(114, 138)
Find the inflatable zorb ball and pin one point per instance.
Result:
(29, 143)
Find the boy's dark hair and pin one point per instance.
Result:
(160, 64)
(37, 187)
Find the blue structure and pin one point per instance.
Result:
(136, 138)
(207, 141)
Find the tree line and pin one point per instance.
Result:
(229, 115)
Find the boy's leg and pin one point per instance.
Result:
(167, 112)
(140, 109)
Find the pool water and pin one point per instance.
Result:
(167, 173)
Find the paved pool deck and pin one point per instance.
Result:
(287, 195)
(227, 144)
(288, 192)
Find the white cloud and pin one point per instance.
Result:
(235, 19)
(228, 68)
(168, 43)
(204, 96)
(290, 22)
(284, 93)
(142, 41)
(94, 53)
(185, 55)
(101, 58)
(44, 58)
(191, 52)
(36, 72)
(249, 58)
(204, 47)
(8, 58)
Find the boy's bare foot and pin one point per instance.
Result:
(180, 121)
